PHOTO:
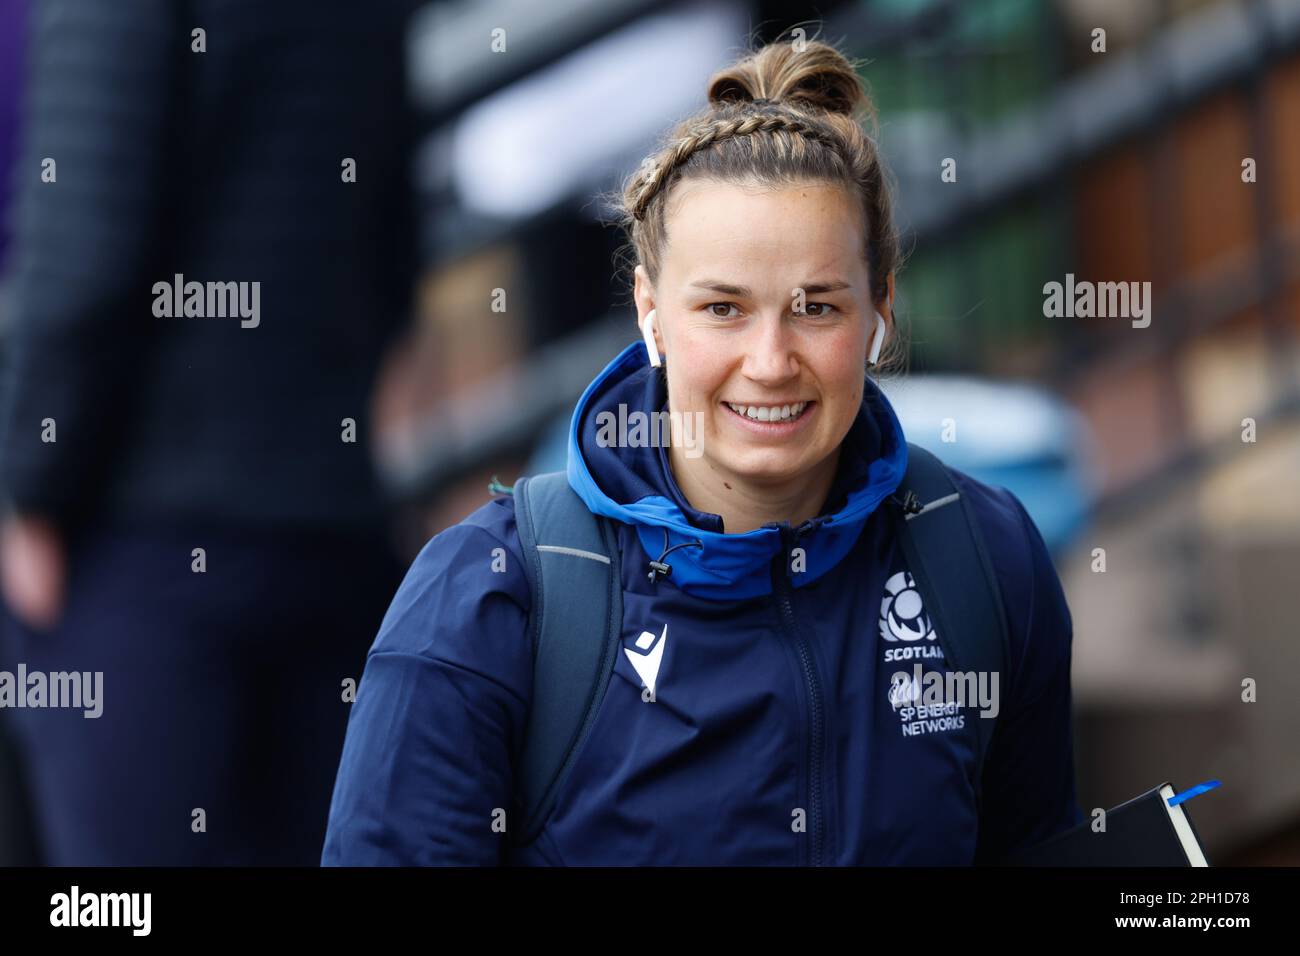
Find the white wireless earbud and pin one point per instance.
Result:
(647, 332)
(877, 340)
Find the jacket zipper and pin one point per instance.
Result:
(813, 686)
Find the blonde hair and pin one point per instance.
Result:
(785, 113)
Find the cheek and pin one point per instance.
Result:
(693, 377)
(842, 359)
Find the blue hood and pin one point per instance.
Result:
(636, 486)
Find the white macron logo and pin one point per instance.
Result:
(647, 657)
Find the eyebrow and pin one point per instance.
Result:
(726, 288)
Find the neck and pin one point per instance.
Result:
(745, 505)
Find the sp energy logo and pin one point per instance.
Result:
(905, 626)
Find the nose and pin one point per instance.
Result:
(770, 358)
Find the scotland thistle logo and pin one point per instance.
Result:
(902, 614)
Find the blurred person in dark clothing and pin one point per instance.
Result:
(213, 249)
(16, 848)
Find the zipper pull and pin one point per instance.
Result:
(910, 503)
(792, 545)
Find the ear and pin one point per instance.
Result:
(884, 324)
(886, 308)
(643, 294)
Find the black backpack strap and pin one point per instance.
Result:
(947, 558)
(572, 563)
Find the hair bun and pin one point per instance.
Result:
(814, 76)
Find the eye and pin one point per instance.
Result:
(726, 305)
(825, 307)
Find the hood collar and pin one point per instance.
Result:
(635, 485)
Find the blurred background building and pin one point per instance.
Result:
(1124, 165)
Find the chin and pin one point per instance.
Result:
(766, 468)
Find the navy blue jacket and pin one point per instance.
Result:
(746, 753)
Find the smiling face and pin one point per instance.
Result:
(735, 347)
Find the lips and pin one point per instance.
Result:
(780, 427)
(776, 414)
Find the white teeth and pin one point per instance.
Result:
(769, 413)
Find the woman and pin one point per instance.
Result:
(754, 716)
